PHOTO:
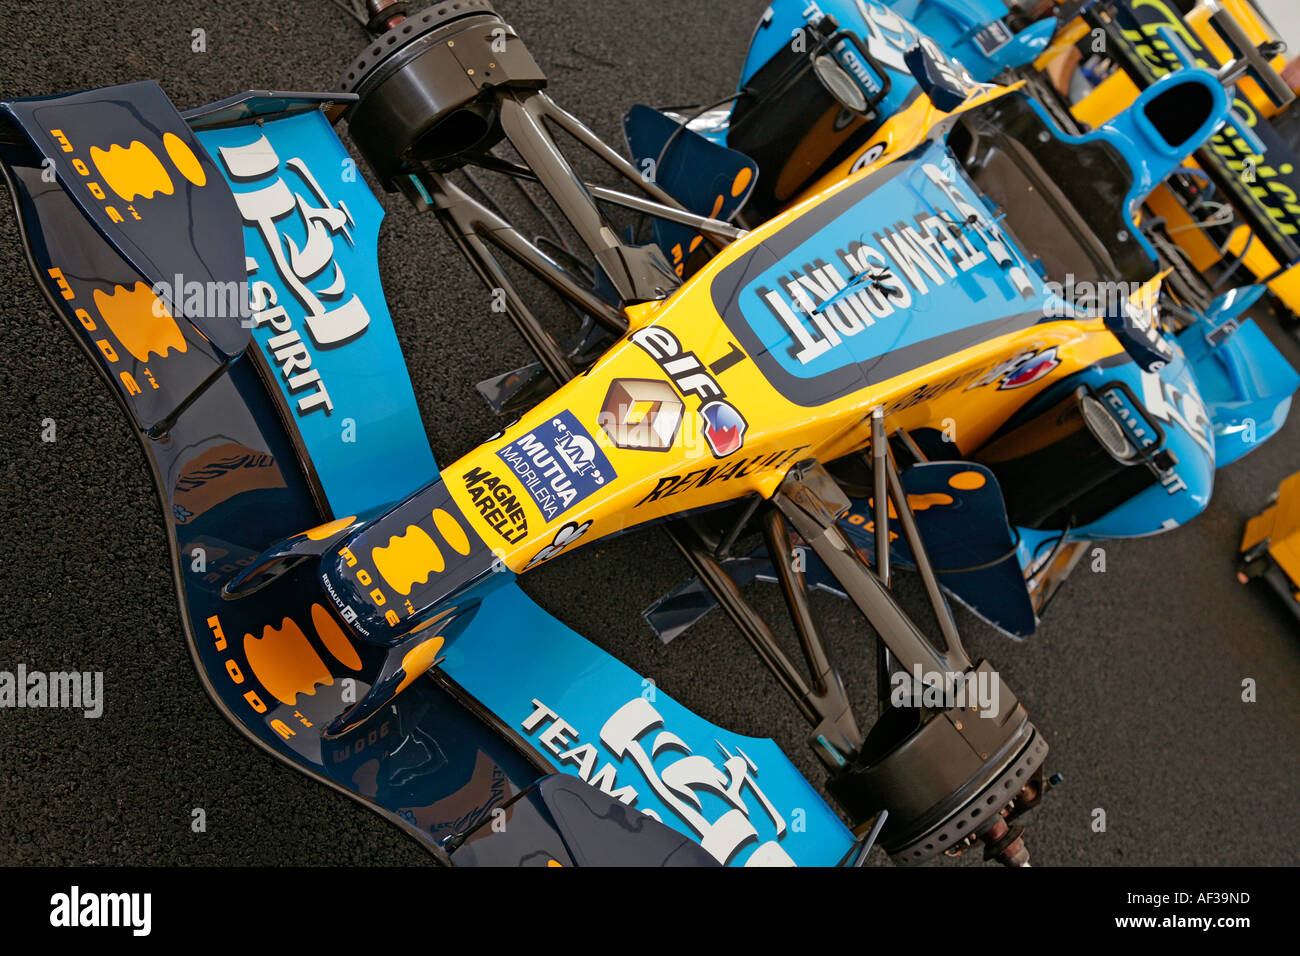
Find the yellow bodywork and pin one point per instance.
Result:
(634, 405)
(951, 393)
(899, 134)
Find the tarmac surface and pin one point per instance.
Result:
(1135, 676)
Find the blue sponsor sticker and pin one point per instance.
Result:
(558, 464)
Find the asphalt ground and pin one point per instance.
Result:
(1135, 675)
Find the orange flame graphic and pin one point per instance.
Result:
(284, 662)
(140, 321)
(408, 559)
(132, 171)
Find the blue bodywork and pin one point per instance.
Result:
(319, 312)
(1245, 382)
(314, 419)
(582, 710)
(970, 32)
(886, 34)
(253, 452)
(704, 176)
(1216, 390)
(975, 32)
(1227, 390)
(1149, 153)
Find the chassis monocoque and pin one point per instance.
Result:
(878, 350)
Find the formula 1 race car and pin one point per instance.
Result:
(860, 319)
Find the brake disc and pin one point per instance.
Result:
(945, 776)
(427, 87)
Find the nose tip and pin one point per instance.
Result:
(385, 576)
(409, 656)
(285, 554)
